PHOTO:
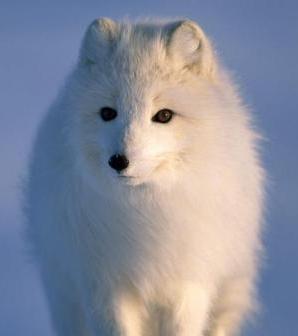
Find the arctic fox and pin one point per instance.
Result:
(145, 189)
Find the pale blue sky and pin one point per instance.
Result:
(258, 40)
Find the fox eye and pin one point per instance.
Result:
(163, 116)
(107, 113)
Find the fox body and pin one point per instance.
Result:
(145, 190)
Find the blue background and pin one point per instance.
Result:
(258, 40)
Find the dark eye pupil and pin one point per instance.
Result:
(163, 116)
(107, 113)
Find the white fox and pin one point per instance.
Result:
(145, 190)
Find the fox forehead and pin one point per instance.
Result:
(139, 67)
(138, 49)
(136, 61)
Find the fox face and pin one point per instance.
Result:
(143, 91)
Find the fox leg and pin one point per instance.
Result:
(189, 312)
(232, 306)
(129, 314)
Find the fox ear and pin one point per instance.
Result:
(188, 45)
(97, 41)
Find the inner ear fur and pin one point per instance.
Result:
(188, 45)
(97, 40)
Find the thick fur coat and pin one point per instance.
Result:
(170, 245)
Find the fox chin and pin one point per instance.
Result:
(144, 196)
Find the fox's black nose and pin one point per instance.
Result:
(118, 162)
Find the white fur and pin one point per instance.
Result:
(172, 246)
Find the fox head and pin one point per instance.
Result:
(145, 93)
